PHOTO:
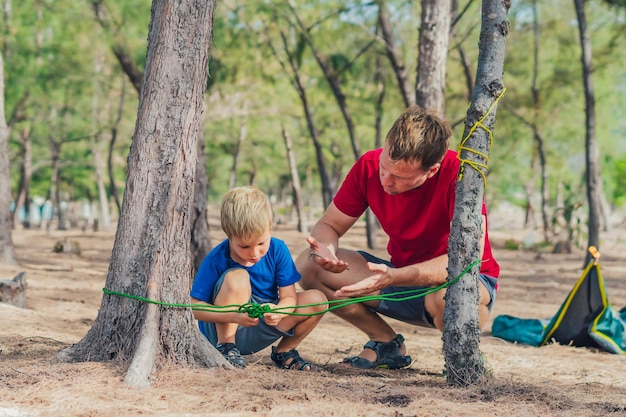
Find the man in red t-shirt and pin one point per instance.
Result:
(410, 187)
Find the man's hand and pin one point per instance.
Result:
(369, 285)
(325, 256)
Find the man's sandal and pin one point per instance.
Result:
(282, 360)
(387, 355)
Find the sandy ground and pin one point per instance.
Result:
(64, 293)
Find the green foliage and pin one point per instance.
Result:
(51, 49)
(619, 191)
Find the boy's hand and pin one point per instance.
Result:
(272, 319)
(325, 257)
(243, 319)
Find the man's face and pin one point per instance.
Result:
(401, 176)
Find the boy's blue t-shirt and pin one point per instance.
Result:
(275, 269)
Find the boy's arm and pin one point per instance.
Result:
(287, 298)
(222, 317)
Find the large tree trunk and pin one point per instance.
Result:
(151, 255)
(464, 362)
(594, 181)
(434, 35)
(7, 255)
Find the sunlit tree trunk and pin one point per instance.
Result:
(464, 364)
(151, 255)
(434, 35)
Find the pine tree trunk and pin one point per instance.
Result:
(464, 364)
(151, 256)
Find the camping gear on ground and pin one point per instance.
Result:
(585, 319)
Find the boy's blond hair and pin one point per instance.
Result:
(246, 213)
(418, 135)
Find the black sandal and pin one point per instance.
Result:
(231, 354)
(281, 359)
(387, 356)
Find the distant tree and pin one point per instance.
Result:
(151, 254)
(7, 255)
(592, 159)
(464, 363)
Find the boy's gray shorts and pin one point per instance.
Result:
(412, 311)
(248, 339)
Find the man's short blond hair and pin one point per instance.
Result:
(246, 213)
(418, 135)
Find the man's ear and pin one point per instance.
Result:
(433, 170)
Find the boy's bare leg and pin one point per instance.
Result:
(302, 325)
(235, 290)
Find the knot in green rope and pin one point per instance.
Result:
(254, 310)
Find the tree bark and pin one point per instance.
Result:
(464, 364)
(151, 254)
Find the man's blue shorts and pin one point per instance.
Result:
(412, 311)
(248, 339)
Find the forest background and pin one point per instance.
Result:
(71, 108)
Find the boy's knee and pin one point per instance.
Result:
(237, 279)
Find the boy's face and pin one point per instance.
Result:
(247, 253)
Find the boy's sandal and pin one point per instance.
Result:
(231, 354)
(387, 355)
(282, 360)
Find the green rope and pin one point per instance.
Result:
(258, 310)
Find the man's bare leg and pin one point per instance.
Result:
(358, 314)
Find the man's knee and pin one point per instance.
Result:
(307, 271)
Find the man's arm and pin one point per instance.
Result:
(430, 273)
(324, 238)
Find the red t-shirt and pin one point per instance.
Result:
(417, 221)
